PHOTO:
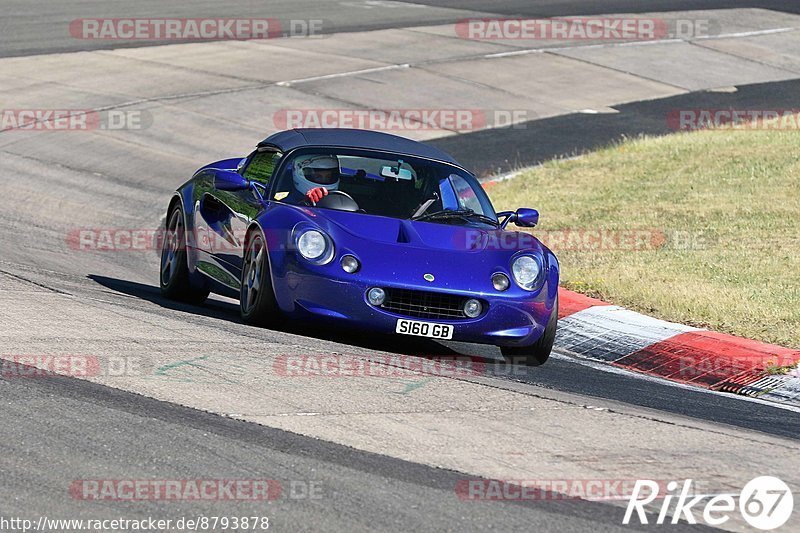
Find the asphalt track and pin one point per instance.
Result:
(563, 8)
(59, 429)
(357, 491)
(39, 27)
(561, 373)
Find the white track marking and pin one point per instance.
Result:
(344, 74)
(746, 34)
(540, 50)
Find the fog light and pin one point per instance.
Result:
(500, 281)
(472, 308)
(376, 296)
(350, 264)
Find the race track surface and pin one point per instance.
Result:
(40, 27)
(204, 397)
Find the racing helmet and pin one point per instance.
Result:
(316, 171)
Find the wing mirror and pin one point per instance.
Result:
(526, 218)
(523, 217)
(227, 180)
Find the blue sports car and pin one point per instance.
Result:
(364, 229)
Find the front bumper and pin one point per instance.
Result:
(512, 318)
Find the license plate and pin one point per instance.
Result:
(424, 329)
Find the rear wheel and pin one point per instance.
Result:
(175, 282)
(537, 353)
(257, 299)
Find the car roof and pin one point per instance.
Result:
(354, 138)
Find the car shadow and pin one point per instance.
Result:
(229, 311)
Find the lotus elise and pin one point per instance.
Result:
(366, 230)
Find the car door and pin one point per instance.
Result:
(229, 213)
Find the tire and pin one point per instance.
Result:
(257, 298)
(174, 273)
(537, 353)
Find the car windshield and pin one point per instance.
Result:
(388, 185)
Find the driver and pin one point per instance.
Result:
(315, 175)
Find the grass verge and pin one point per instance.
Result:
(701, 228)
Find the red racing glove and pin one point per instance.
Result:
(316, 194)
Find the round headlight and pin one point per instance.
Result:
(500, 281)
(472, 308)
(526, 271)
(312, 245)
(349, 264)
(376, 296)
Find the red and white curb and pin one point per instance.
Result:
(592, 329)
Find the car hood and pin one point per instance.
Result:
(428, 235)
(402, 251)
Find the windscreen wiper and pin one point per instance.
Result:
(466, 214)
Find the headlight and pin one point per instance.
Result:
(314, 246)
(526, 271)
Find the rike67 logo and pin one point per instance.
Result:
(765, 503)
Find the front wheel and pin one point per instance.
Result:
(257, 299)
(174, 280)
(539, 352)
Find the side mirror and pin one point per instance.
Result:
(227, 180)
(526, 218)
(523, 217)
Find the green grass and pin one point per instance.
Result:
(737, 193)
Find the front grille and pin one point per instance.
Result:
(423, 304)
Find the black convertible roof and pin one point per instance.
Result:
(353, 138)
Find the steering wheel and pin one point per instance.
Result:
(338, 200)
